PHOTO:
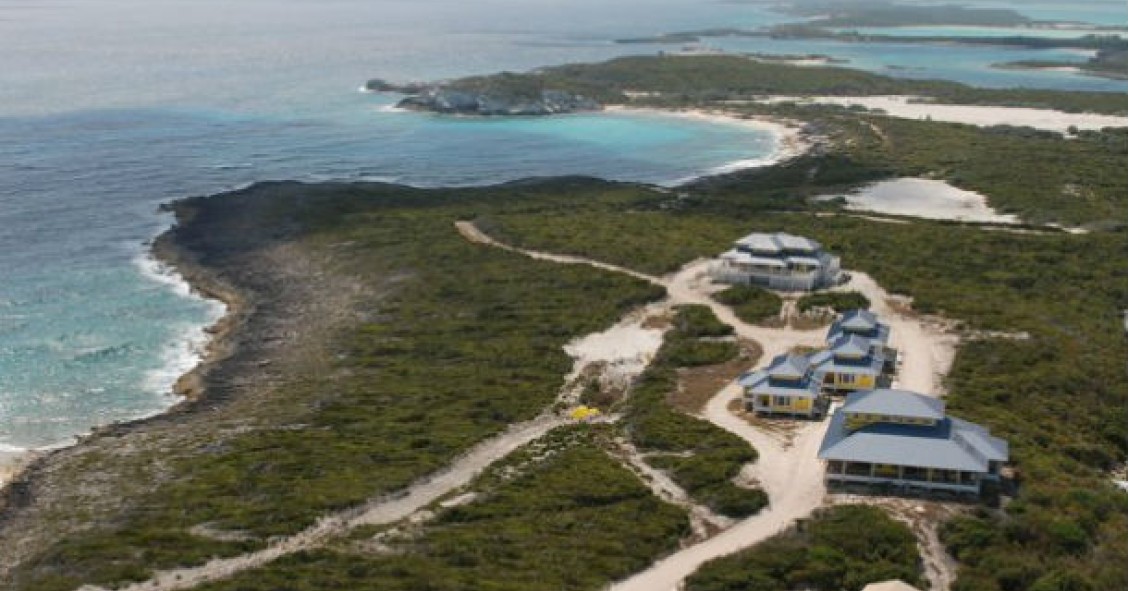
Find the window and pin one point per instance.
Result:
(783, 401)
(846, 378)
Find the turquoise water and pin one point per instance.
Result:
(110, 107)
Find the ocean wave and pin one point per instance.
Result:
(392, 109)
(186, 349)
(178, 357)
(727, 168)
(12, 449)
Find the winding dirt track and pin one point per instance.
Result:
(788, 470)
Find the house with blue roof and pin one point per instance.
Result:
(906, 440)
(851, 364)
(778, 261)
(865, 324)
(786, 387)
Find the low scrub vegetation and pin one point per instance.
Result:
(839, 549)
(559, 514)
(701, 457)
(839, 301)
(750, 303)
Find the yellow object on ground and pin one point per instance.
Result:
(582, 413)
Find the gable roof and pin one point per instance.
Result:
(898, 403)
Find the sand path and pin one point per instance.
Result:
(617, 355)
(926, 349)
(788, 469)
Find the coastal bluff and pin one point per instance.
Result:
(499, 96)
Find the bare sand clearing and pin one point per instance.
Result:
(622, 351)
(910, 107)
(924, 198)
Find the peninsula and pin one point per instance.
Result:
(533, 385)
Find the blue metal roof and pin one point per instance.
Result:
(824, 362)
(839, 329)
(937, 447)
(787, 375)
(897, 403)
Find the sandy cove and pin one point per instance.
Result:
(789, 136)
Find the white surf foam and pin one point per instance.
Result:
(187, 348)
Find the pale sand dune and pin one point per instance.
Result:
(904, 107)
(925, 198)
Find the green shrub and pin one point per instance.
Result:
(844, 547)
(839, 301)
(750, 303)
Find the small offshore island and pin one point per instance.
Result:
(532, 385)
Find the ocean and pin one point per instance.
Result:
(110, 107)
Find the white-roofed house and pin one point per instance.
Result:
(906, 440)
(786, 387)
(778, 261)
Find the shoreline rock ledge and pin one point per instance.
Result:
(487, 102)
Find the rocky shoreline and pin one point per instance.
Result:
(237, 263)
(458, 100)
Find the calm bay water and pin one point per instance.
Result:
(110, 107)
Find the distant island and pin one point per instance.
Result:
(1108, 63)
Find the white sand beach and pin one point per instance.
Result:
(924, 198)
(790, 142)
(910, 107)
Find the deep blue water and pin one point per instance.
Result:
(110, 107)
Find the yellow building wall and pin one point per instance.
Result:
(797, 405)
(860, 382)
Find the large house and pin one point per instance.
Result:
(905, 439)
(787, 386)
(778, 261)
(852, 364)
